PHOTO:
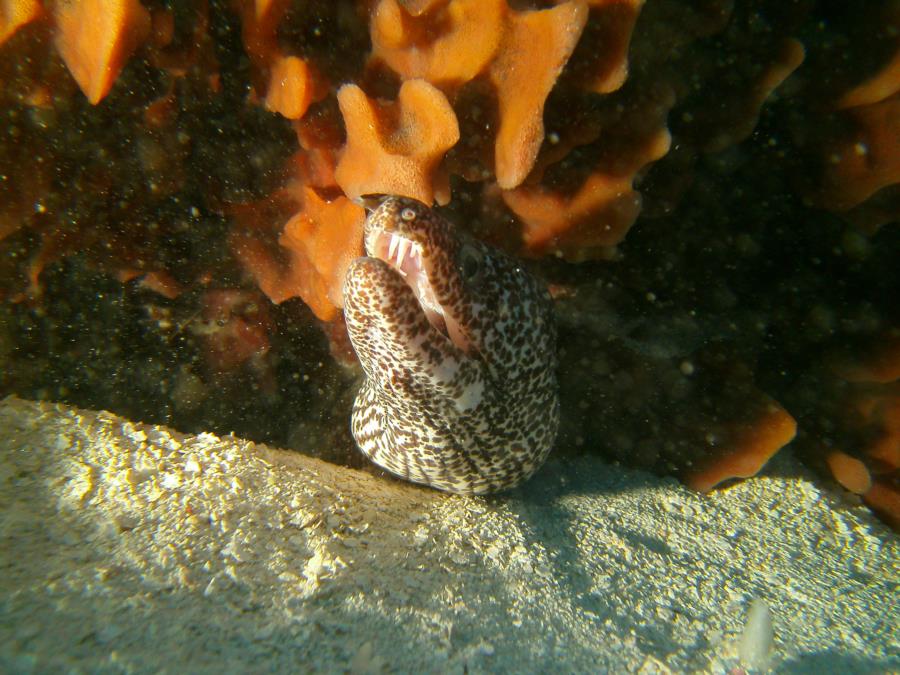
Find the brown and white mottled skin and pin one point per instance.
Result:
(458, 346)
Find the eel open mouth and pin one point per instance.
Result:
(408, 259)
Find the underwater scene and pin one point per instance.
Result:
(449, 336)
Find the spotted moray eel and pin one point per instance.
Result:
(458, 346)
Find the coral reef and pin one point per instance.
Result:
(708, 187)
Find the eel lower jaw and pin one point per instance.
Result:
(405, 257)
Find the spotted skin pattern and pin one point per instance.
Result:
(457, 343)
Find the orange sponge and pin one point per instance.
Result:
(95, 39)
(849, 472)
(866, 158)
(323, 239)
(534, 50)
(577, 225)
(15, 14)
(751, 446)
(448, 44)
(293, 85)
(396, 148)
(521, 53)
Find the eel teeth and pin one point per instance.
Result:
(392, 246)
(402, 249)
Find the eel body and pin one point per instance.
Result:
(458, 346)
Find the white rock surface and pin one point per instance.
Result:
(132, 548)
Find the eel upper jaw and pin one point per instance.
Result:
(406, 257)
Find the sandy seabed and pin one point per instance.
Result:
(132, 548)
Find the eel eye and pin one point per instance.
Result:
(407, 214)
(470, 262)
